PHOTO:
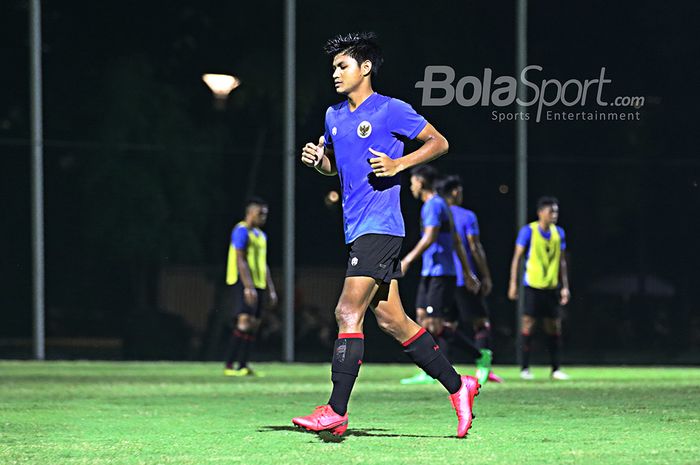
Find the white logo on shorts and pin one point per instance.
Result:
(334, 131)
(354, 261)
(364, 129)
(429, 309)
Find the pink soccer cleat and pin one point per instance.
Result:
(463, 401)
(494, 378)
(323, 419)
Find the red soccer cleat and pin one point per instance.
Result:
(463, 401)
(323, 419)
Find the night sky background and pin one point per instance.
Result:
(142, 173)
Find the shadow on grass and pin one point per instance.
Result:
(326, 436)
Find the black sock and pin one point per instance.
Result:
(233, 347)
(458, 337)
(441, 340)
(482, 337)
(244, 354)
(427, 355)
(347, 357)
(554, 342)
(525, 342)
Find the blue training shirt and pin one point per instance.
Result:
(371, 205)
(466, 224)
(437, 259)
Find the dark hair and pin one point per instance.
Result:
(362, 46)
(428, 175)
(254, 201)
(447, 184)
(546, 201)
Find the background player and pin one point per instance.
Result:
(363, 145)
(248, 273)
(545, 266)
(436, 247)
(471, 308)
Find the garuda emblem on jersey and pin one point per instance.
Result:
(364, 129)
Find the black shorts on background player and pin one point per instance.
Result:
(375, 256)
(436, 294)
(240, 305)
(542, 303)
(469, 306)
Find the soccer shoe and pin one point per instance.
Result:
(483, 366)
(419, 378)
(323, 419)
(245, 371)
(463, 402)
(494, 378)
(560, 375)
(526, 375)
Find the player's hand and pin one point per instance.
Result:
(405, 265)
(486, 286)
(472, 282)
(272, 299)
(312, 154)
(250, 296)
(513, 291)
(382, 165)
(565, 296)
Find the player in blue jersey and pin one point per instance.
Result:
(546, 282)
(363, 144)
(436, 247)
(471, 309)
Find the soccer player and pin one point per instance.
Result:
(248, 273)
(471, 308)
(544, 245)
(436, 247)
(363, 145)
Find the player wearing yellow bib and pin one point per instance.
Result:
(546, 282)
(249, 275)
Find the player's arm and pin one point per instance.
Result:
(565, 294)
(479, 255)
(470, 279)
(271, 288)
(250, 294)
(514, 271)
(434, 146)
(319, 156)
(430, 235)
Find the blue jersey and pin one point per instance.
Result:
(371, 205)
(437, 259)
(466, 224)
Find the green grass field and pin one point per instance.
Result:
(188, 413)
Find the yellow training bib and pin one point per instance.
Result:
(256, 255)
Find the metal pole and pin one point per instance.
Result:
(289, 159)
(521, 140)
(37, 178)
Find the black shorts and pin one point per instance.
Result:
(436, 294)
(469, 306)
(239, 304)
(375, 256)
(542, 303)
